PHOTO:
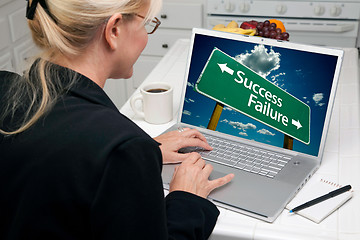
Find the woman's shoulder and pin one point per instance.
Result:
(6, 77)
(6, 74)
(92, 116)
(6, 80)
(93, 123)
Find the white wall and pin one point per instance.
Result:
(16, 45)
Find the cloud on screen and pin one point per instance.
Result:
(243, 134)
(243, 127)
(189, 100)
(265, 132)
(261, 60)
(239, 125)
(186, 112)
(318, 97)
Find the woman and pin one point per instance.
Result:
(72, 166)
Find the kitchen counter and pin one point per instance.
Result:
(341, 162)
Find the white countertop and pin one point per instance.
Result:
(341, 162)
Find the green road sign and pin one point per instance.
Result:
(229, 82)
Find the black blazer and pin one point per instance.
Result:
(85, 171)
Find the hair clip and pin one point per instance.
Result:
(31, 9)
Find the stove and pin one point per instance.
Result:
(330, 22)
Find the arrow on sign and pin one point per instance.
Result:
(225, 68)
(296, 123)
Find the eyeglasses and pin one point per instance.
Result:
(150, 25)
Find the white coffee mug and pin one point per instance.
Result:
(157, 102)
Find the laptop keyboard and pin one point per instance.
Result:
(244, 157)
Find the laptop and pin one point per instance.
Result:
(264, 106)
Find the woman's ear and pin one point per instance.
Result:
(112, 30)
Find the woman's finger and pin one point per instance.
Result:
(192, 158)
(193, 133)
(200, 163)
(220, 181)
(193, 142)
(208, 168)
(177, 157)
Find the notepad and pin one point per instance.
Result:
(320, 211)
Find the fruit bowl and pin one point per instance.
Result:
(234, 28)
(272, 28)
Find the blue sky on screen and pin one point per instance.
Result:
(305, 75)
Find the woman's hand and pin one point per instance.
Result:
(172, 141)
(193, 176)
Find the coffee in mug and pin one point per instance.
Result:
(156, 90)
(157, 102)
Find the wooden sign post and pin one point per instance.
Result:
(288, 142)
(215, 116)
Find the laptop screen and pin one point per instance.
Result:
(265, 91)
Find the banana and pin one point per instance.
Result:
(232, 24)
(221, 27)
(233, 27)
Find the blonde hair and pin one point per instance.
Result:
(67, 31)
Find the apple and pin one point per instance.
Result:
(249, 25)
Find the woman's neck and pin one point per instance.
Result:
(92, 64)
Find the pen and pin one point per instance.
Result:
(322, 198)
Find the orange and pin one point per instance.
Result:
(279, 24)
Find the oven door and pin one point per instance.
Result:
(338, 33)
